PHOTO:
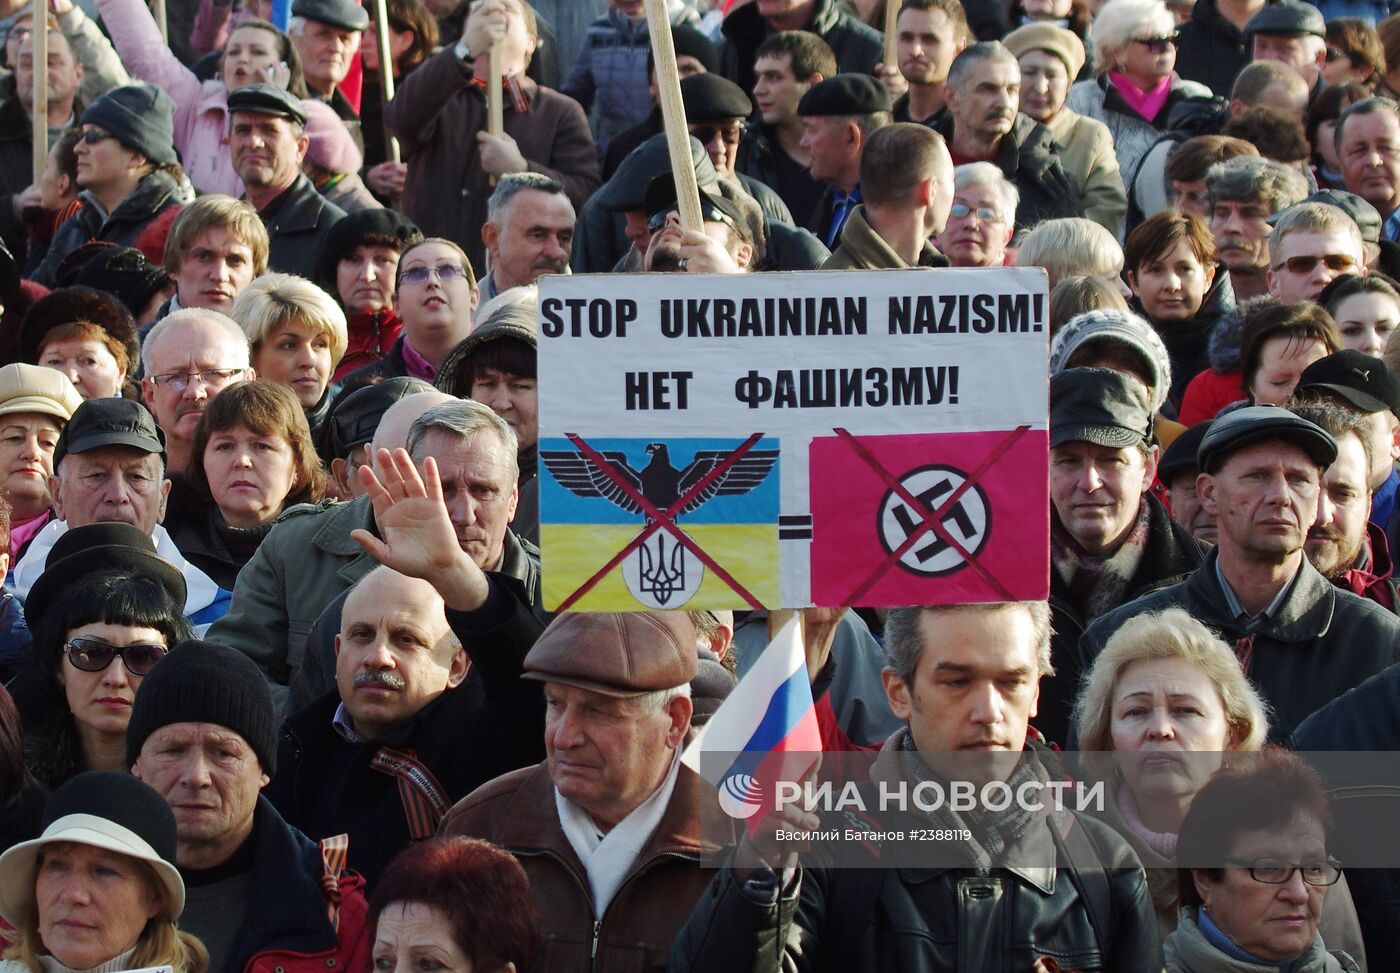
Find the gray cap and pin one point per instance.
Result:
(345, 14)
(267, 99)
(1232, 431)
(1099, 406)
(1287, 17)
(626, 190)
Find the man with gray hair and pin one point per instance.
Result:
(1243, 193)
(983, 92)
(1368, 146)
(529, 232)
(1311, 245)
(310, 558)
(982, 219)
(327, 36)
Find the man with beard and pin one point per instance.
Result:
(931, 33)
(529, 231)
(1342, 544)
(983, 92)
(1243, 194)
(725, 246)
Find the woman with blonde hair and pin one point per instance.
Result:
(1073, 246)
(1168, 697)
(297, 334)
(99, 887)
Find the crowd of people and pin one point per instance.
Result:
(280, 693)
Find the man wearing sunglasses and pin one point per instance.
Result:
(1312, 244)
(727, 247)
(717, 112)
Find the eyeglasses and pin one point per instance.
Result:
(1268, 872)
(985, 214)
(710, 214)
(1157, 45)
(443, 272)
(179, 381)
(731, 135)
(95, 655)
(1339, 262)
(92, 136)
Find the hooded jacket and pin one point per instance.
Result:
(1029, 156)
(1213, 388)
(858, 48)
(1370, 575)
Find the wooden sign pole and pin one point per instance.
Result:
(668, 85)
(40, 44)
(386, 72)
(495, 108)
(158, 12)
(891, 33)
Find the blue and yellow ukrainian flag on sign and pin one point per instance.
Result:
(598, 496)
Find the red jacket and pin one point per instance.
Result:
(371, 337)
(1370, 576)
(1208, 393)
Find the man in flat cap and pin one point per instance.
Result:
(906, 181)
(1110, 539)
(608, 827)
(838, 117)
(1293, 33)
(268, 141)
(982, 125)
(327, 35)
(1302, 641)
(439, 115)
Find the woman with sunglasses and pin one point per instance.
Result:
(103, 613)
(1254, 872)
(1136, 86)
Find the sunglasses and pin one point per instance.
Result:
(1334, 55)
(731, 135)
(443, 272)
(1157, 45)
(1339, 262)
(94, 655)
(710, 214)
(92, 136)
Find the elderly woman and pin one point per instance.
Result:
(86, 334)
(252, 457)
(1073, 246)
(1278, 343)
(35, 404)
(1179, 286)
(1256, 877)
(99, 888)
(296, 335)
(1366, 311)
(103, 613)
(255, 51)
(464, 902)
(1051, 58)
(1135, 89)
(982, 218)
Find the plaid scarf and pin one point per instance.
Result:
(1098, 584)
(511, 87)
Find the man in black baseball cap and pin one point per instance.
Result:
(729, 248)
(1292, 33)
(838, 116)
(1363, 385)
(1302, 641)
(1110, 539)
(109, 468)
(327, 36)
(268, 141)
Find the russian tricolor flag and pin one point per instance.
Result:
(766, 730)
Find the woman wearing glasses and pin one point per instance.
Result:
(296, 336)
(1256, 873)
(102, 614)
(1136, 86)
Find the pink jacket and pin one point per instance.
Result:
(201, 110)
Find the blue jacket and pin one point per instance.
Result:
(14, 634)
(612, 66)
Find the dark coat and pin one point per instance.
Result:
(1029, 157)
(839, 917)
(390, 366)
(152, 196)
(210, 544)
(1323, 641)
(489, 725)
(1171, 554)
(437, 114)
(858, 48)
(1210, 49)
(759, 158)
(287, 927)
(298, 222)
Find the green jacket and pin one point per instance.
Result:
(304, 563)
(863, 249)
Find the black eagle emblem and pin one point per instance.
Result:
(659, 481)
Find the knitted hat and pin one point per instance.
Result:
(141, 116)
(331, 146)
(355, 229)
(70, 305)
(205, 682)
(1124, 328)
(122, 271)
(1064, 44)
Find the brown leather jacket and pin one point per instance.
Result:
(517, 812)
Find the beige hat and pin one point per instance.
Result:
(34, 388)
(1064, 44)
(616, 653)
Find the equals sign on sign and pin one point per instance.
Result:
(795, 528)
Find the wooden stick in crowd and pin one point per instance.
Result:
(668, 85)
(495, 109)
(40, 35)
(158, 12)
(386, 72)
(891, 33)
